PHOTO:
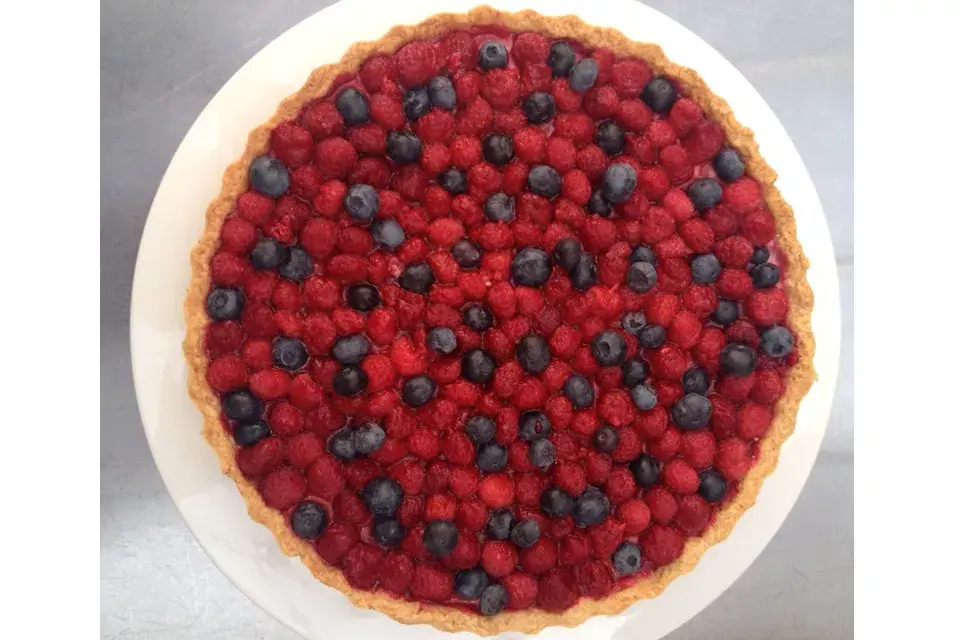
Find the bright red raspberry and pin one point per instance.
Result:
(521, 590)
(733, 458)
(535, 76)
(629, 77)
(635, 516)
(570, 477)
(620, 485)
(387, 112)
(227, 373)
(601, 102)
(576, 187)
(662, 545)
(361, 565)
(767, 307)
(667, 362)
(684, 115)
(663, 504)
(238, 235)
(303, 449)
(539, 558)
(283, 488)
(704, 141)
(228, 269)
(560, 154)
(606, 537)
(501, 87)
(285, 419)
(577, 127)
(698, 448)
(424, 443)
(684, 330)
(723, 220)
(598, 234)
(557, 590)
(431, 582)
(495, 490)
(699, 299)
(318, 238)
(475, 118)
(530, 394)
(672, 247)
(675, 162)
(734, 284)
(743, 195)
(471, 514)
(337, 541)
(416, 63)
(633, 115)
(335, 157)
(396, 572)
(467, 86)
(225, 337)
(651, 424)
(693, 515)
(529, 47)
(375, 70)
(768, 387)
(565, 98)
(498, 557)
(679, 476)
(758, 227)
(666, 446)
(440, 506)
(753, 420)
(260, 458)
(673, 275)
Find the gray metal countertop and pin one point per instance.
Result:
(162, 60)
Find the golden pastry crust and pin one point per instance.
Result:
(798, 381)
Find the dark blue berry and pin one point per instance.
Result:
(737, 359)
(308, 520)
(499, 207)
(635, 371)
(418, 391)
(652, 336)
(627, 559)
(297, 265)
(618, 183)
(387, 531)
(776, 341)
(387, 233)
(224, 303)
(760, 255)
(477, 316)
(712, 486)
(765, 275)
(417, 277)
(578, 391)
(556, 503)
(416, 103)
(542, 453)
(343, 444)
(470, 584)
(566, 253)
(250, 433)
(493, 599)
(533, 425)
(442, 340)
(530, 267)
(561, 59)
(644, 397)
(351, 349)
(645, 470)
(597, 206)
(525, 534)
(533, 353)
(592, 507)
(269, 177)
(584, 74)
(499, 524)
(726, 313)
(692, 411)
(610, 138)
(728, 165)
(478, 366)
(363, 297)
(584, 273)
(633, 322)
(705, 268)
(241, 405)
(659, 95)
(353, 106)
(369, 438)
(643, 253)
(403, 147)
(362, 202)
(608, 348)
(349, 381)
(492, 55)
(481, 429)
(289, 353)
(382, 496)
(606, 439)
(454, 181)
(544, 181)
(267, 253)
(466, 253)
(539, 107)
(704, 193)
(440, 537)
(491, 457)
(641, 276)
(696, 380)
(441, 92)
(497, 149)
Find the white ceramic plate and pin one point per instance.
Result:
(210, 504)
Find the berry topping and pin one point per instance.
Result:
(478, 366)
(269, 177)
(477, 316)
(416, 103)
(454, 181)
(659, 95)
(584, 74)
(241, 405)
(592, 507)
(500, 524)
(765, 275)
(499, 207)
(705, 268)
(652, 336)
(533, 425)
(641, 277)
(369, 438)
(544, 181)
(493, 599)
(497, 149)
(539, 107)
(643, 253)
(250, 433)
(610, 138)
(634, 371)
(480, 429)
(267, 253)
(737, 359)
(387, 531)
(418, 391)
(346, 350)
(606, 439)
(417, 277)
(363, 297)
(533, 354)
(491, 457)
(609, 348)
(224, 303)
(297, 264)
(556, 503)
(353, 106)
(619, 181)
(760, 255)
(525, 534)
(403, 147)
(442, 340)
(350, 381)
(542, 453)
(308, 520)
(597, 205)
(726, 313)
(728, 165)
(441, 92)
(712, 486)
(382, 496)
(289, 353)
(466, 253)
(645, 470)
(469, 584)
(704, 193)
(440, 537)
(561, 59)
(692, 411)
(644, 397)
(492, 55)
(566, 253)
(530, 267)
(343, 444)
(627, 559)
(578, 391)
(584, 273)
(696, 380)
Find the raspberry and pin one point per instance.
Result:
(392, 450)
(693, 515)
(283, 488)
(475, 118)
(663, 505)
(465, 554)
(723, 220)
(560, 154)
(620, 485)
(577, 127)
(633, 115)
(673, 275)
(557, 590)
(501, 87)
(335, 157)
(387, 112)
(375, 70)
(462, 392)
(629, 77)
(285, 419)
(768, 387)
(529, 144)
(698, 448)
(358, 473)
(416, 63)
(733, 459)
(668, 392)
(227, 373)
(431, 582)
(570, 477)
(635, 516)
(675, 162)
(535, 76)
(440, 506)
(766, 307)
(753, 420)
(684, 330)
(347, 321)
(565, 98)
(458, 51)
(409, 474)
(238, 235)
(539, 558)
(318, 238)
(661, 134)
(228, 269)
(662, 545)
(530, 394)
(704, 141)
(521, 590)
(601, 102)
(323, 120)
(471, 514)
(498, 558)
(742, 196)
(758, 227)
(654, 182)
(666, 446)
(506, 378)
(734, 251)
(337, 541)
(530, 48)
(396, 572)
(723, 418)
(441, 414)
(410, 182)
(560, 412)
(348, 506)
(495, 490)
(668, 362)
(224, 337)
(598, 234)
(734, 284)
(407, 359)
(679, 476)
(424, 444)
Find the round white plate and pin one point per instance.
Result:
(210, 504)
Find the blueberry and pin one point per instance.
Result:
(297, 265)
(542, 453)
(578, 390)
(776, 341)
(608, 348)
(499, 524)
(641, 276)
(619, 181)
(584, 273)
(351, 349)
(597, 206)
(382, 496)
(544, 181)
(492, 55)
(584, 74)
(478, 366)
(369, 438)
(659, 95)
(403, 147)
(224, 303)
(633, 322)
(652, 336)
(705, 268)
(363, 297)
(499, 207)
(533, 353)
(627, 559)
(441, 92)
(440, 537)
(267, 253)
(250, 433)
(466, 253)
(692, 411)
(491, 457)
(493, 599)
(737, 359)
(728, 165)
(289, 353)
(417, 277)
(561, 59)
(362, 202)
(416, 103)
(442, 340)
(592, 508)
(418, 391)
(530, 267)
(481, 429)
(726, 313)
(308, 520)
(566, 253)
(645, 470)
(343, 444)
(353, 106)
(477, 316)
(349, 381)
(387, 531)
(241, 405)
(610, 138)
(556, 502)
(704, 193)
(469, 584)
(387, 233)
(533, 425)
(696, 380)
(269, 177)
(643, 253)
(525, 534)
(644, 397)
(635, 371)
(454, 181)
(765, 275)
(497, 149)
(539, 107)
(606, 439)
(760, 255)
(712, 486)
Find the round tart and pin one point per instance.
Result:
(500, 322)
